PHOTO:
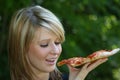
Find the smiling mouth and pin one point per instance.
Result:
(51, 61)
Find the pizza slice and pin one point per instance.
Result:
(78, 61)
(75, 61)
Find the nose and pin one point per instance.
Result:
(55, 49)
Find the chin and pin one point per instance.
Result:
(52, 68)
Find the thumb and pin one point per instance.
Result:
(73, 71)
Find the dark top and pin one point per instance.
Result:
(65, 77)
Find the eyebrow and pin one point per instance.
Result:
(47, 39)
(44, 40)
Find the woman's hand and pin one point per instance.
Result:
(80, 74)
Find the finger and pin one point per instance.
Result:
(71, 69)
(88, 67)
(84, 67)
(96, 63)
(83, 72)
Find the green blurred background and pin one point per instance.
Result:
(90, 25)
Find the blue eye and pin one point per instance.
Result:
(44, 45)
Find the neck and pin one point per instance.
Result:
(41, 76)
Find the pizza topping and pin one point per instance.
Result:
(78, 61)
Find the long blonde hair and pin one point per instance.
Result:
(23, 26)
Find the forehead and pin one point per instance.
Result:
(43, 33)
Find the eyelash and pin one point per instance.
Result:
(56, 43)
(44, 45)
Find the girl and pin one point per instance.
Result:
(35, 39)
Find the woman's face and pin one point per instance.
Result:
(44, 51)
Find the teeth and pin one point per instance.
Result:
(49, 60)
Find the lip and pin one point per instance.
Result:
(51, 61)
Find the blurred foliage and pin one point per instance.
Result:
(90, 25)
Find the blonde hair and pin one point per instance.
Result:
(23, 26)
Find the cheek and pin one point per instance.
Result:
(36, 52)
(60, 49)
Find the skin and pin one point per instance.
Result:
(44, 52)
(81, 73)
